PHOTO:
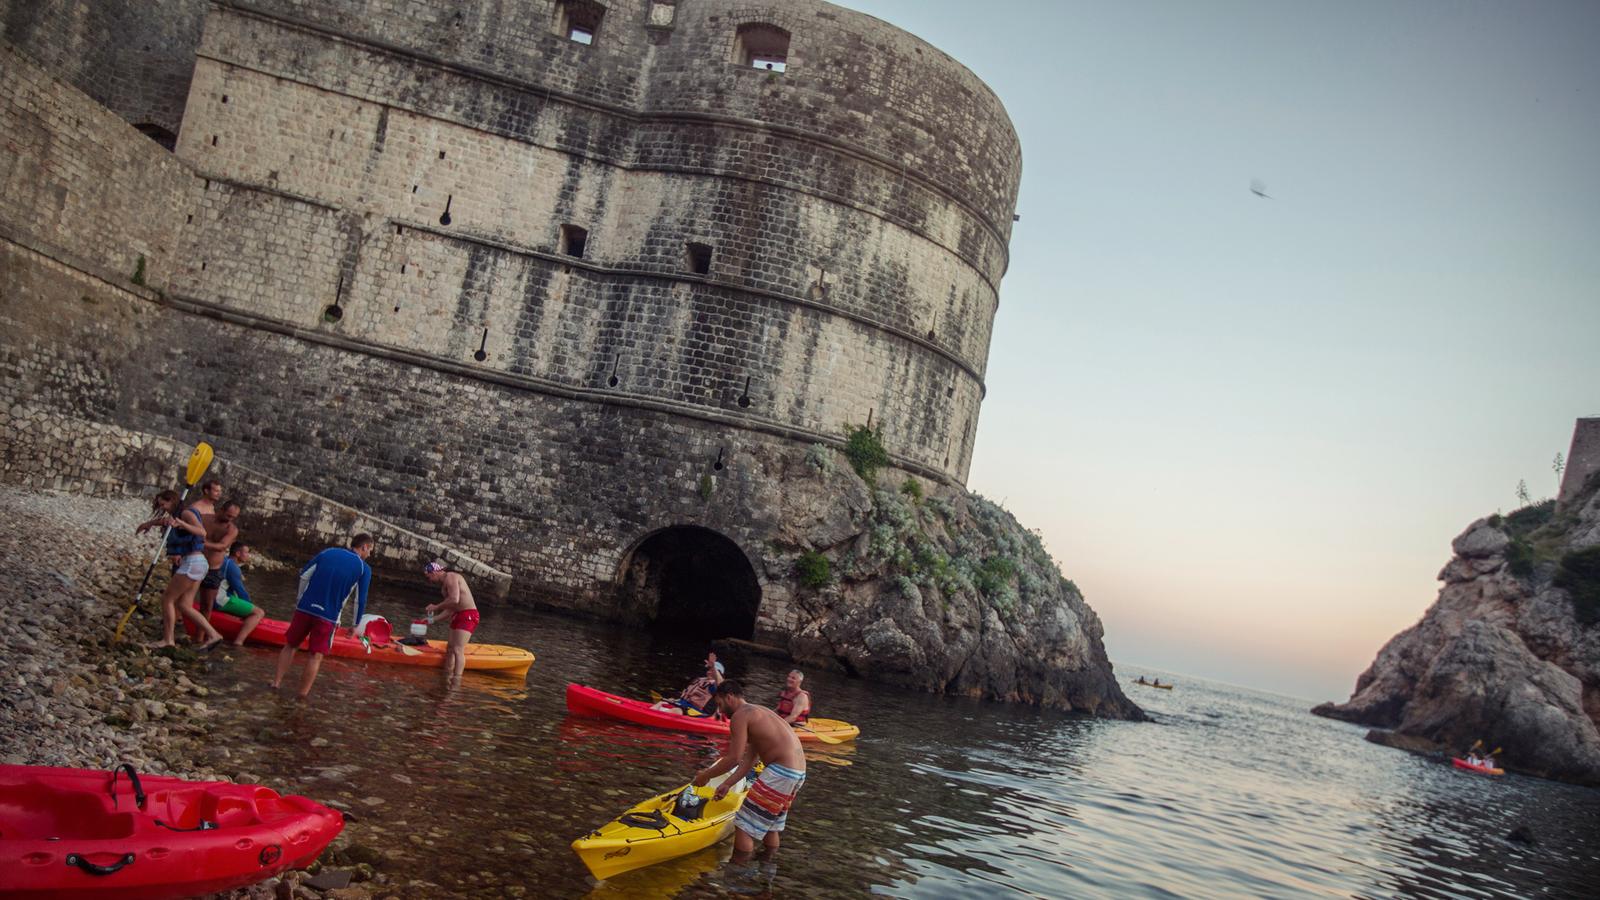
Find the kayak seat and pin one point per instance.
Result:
(37, 812)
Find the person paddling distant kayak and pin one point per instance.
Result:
(697, 697)
(755, 732)
(463, 620)
(327, 583)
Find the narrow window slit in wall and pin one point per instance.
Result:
(213, 140)
(444, 218)
(224, 98)
(189, 219)
(574, 240)
(744, 398)
(869, 417)
(399, 229)
(718, 465)
(413, 189)
(202, 265)
(613, 381)
(482, 353)
(334, 313)
(402, 268)
(441, 154)
(698, 258)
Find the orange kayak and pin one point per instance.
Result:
(494, 659)
(1482, 770)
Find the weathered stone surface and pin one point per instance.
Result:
(1499, 657)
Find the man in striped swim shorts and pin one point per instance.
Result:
(757, 733)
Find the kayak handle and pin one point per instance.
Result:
(652, 819)
(133, 778)
(203, 826)
(74, 859)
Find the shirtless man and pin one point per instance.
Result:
(463, 621)
(222, 530)
(755, 732)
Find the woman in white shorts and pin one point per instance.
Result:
(187, 542)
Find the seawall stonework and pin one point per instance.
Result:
(360, 284)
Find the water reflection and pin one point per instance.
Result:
(1228, 793)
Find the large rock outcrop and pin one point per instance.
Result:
(1510, 652)
(945, 592)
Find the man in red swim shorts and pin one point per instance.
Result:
(463, 617)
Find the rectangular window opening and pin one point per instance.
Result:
(698, 258)
(574, 240)
(578, 20)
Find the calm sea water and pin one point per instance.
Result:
(1230, 793)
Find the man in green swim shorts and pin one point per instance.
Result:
(236, 600)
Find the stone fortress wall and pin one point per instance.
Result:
(1583, 458)
(368, 280)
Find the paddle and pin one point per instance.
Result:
(199, 462)
(825, 738)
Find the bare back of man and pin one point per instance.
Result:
(222, 530)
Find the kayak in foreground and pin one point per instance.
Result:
(653, 831)
(587, 701)
(1482, 770)
(93, 834)
(492, 658)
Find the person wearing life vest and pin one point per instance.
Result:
(794, 703)
(186, 542)
(328, 582)
(699, 697)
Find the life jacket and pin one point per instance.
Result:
(786, 705)
(699, 692)
(182, 543)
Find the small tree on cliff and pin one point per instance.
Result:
(864, 448)
(1558, 465)
(1522, 492)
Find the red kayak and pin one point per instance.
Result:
(92, 834)
(1482, 770)
(587, 701)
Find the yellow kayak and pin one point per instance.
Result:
(651, 832)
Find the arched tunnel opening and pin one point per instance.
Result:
(692, 580)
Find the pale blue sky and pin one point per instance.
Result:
(1249, 428)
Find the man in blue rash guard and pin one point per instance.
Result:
(327, 583)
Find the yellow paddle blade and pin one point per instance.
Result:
(199, 462)
(825, 738)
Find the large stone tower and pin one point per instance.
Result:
(566, 281)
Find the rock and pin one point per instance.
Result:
(355, 892)
(1499, 657)
(330, 879)
(1479, 540)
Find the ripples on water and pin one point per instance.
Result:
(1231, 792)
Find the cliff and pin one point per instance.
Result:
(940, 591)
(1510, 652)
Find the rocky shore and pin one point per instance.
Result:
(1508, 654)
(70, 697)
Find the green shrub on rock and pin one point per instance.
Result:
(864, 448)
(814, 570)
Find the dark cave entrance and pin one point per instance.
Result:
(692, 580)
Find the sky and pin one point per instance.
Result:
(1248, 429)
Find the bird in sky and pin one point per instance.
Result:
(1259, 189)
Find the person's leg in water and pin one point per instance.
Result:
(456, 657)
(310, 675)
(285, 660)
(186, 608)
(248, 625)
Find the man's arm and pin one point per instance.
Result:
(228, 537)
(361, 600)
(737, 738)
(452, 597)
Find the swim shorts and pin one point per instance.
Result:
(766, 807)
(466, 620)
(235, 605)
(192, 567)
(213, 579)
(305, 624)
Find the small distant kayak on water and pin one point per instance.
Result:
(588, 701)
(88, 833)
(1473, 767)
(664, 827)
(493, 659)
(1155, 684)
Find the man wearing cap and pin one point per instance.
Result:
(700, 696)
(327, 583)
(463, 619)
